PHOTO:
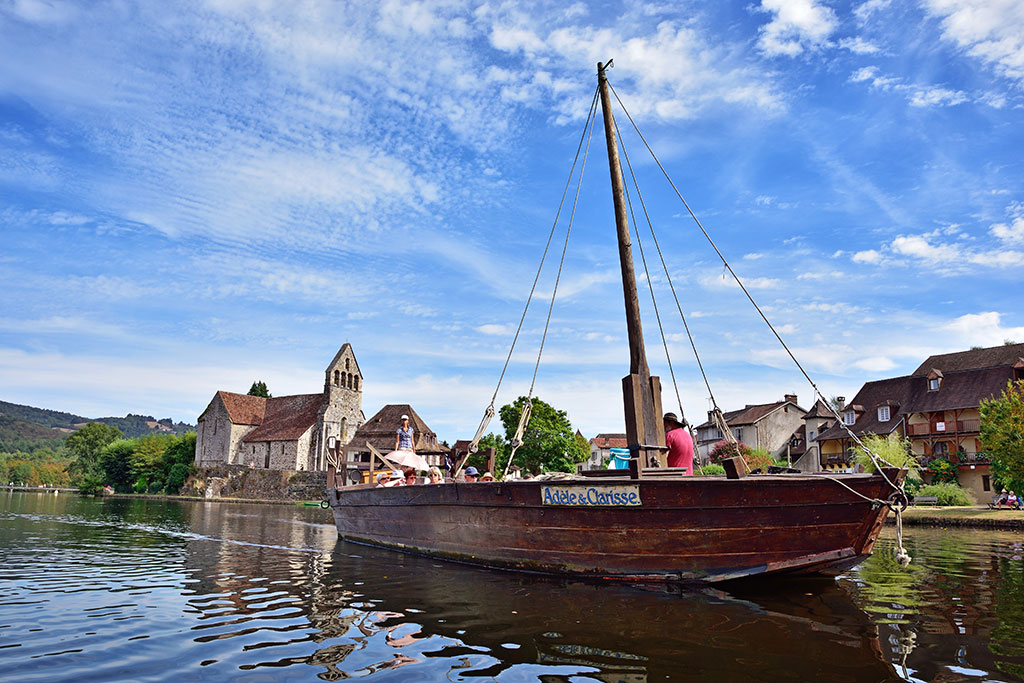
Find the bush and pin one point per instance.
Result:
(942, 471)
(896, 452)
(723, 449)
(141, 485)
(759, 459)
(176, 477)
(947, 494)
(708, 470)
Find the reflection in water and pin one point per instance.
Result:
(130, 589)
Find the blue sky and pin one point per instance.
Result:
(196, 195)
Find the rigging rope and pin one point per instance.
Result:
(901, 554)
(874, 457)
(489, 411)
(524, 417)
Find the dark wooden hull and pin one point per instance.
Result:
(685, 529)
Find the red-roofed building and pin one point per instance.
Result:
(600, 450)
(283, 432)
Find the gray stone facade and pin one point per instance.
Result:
(286, 432)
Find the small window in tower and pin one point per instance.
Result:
(883, 413)
(337, 378)
(355, 380)
(346, 365)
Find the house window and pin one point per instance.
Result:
(812, 436)
(739, 435)
(883, 413)
(986, 482)
(941, 448)
(849, 417)
(933, 384)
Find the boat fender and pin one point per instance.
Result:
(324, 504)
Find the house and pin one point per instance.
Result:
(876, 410)
(600, 451)
(379, 432)
(283, 432)
(816, 421)
(935, 408)
(775, 427)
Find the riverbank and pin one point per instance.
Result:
(197, 499)
(968, 517)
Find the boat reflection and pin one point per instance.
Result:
(476, 622)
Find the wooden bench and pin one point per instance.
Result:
(924, 500)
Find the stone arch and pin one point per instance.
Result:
(346, 365)
(337, 378)
(355, 382)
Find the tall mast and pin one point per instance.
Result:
(641, 393)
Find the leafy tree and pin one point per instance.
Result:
(1002, 434)
(259, 388)
(21, 471)
(479, 459)
(115, 463)
(146, 462)
(549, 442)
(86, 444)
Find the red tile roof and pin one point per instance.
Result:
(894, 392)
(610, 441)
(242, 408)
(287, 418)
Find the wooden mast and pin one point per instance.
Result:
(641, 393)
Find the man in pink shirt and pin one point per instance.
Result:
(680, 445)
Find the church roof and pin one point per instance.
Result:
(286, 418)
(380, 430)
(242, 408)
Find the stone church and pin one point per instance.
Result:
(284, 432)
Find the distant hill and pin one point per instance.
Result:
(25, 425)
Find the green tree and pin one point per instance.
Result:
(115, 463)
(259, 388)
(21, 472)
(892, 449)
(1002, 434)
(146, 462)
(479, 459)
(549, 442)
(176, 477)
(86, 444)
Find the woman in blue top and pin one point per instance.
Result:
(403, 436)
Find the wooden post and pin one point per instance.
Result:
(645, 431)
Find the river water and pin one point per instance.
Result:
(99, 589)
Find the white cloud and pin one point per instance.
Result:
(796, 25)
(865, 10)
(1010, 233)
(726, 282)
(982, 329)
(859, 46)
(935, 96)
(991, 30)
(867, 256)
(495, 329)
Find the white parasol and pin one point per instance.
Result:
(409, 459)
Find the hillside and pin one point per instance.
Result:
(21, 423)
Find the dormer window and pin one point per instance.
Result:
(933, 384)
(849, 417)
(883, 413)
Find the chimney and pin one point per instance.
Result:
(841, 400)
(790, 397)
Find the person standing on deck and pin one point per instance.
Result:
(403, 436)
(680, 445)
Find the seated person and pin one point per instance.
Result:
(395, 479)
(382, 478)
(409, 474)
(487, 476)
(435, 476)
(471, 474)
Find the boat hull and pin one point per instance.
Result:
(681, 529)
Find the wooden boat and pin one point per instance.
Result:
(640, 525)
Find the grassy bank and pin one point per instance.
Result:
(973, 516)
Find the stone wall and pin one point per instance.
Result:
(232, 481)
